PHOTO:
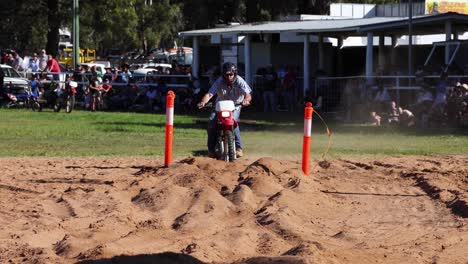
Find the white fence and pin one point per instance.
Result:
(335, 92)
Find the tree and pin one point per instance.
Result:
(157, 22)
(54, 26)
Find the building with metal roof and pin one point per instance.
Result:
(384, 32)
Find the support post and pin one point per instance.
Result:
(448, 37)
(340, 56)
(393, 52)
(306, 64)
(248, 58)
(410, 37)
(196, 58)
(369, 57)
(76, 34)
(381, 51)
(321, 52)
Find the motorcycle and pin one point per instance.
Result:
(65, 97)
(16, 97)
(34, 102)
(225, 140)
(9, 100)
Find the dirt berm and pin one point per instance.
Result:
(133, 210)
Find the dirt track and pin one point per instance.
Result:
(397, 210)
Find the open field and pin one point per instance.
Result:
(25, 133)
(90, 188)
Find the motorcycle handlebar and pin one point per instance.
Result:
(210, 105)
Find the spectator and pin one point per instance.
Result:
(323, 84)
(125, 75)
(151, 96)
(288, 88)
(34, 85)
(10, 59)
(95, 91)
(52, 65)
(43, 59)
(34, 63)
(423, 105)
(382, 99)
(406, 117)
(393, 113)
(2, 77)
(269, 89)
(282, 72)
(441, 91)
(374, 119)
(349, 98)
(3, 57)
(17, 62)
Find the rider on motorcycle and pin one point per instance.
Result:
(229, 86)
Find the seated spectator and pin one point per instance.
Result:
(406, 117)
(374, 119)
(393, 114)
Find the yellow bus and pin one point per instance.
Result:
(86, 55)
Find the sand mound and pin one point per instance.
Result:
(201, 210)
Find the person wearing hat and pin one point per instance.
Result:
(34, 63)
(43, 58)
(229, 86)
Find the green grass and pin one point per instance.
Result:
(26, 133)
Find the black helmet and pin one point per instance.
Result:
(229, 68)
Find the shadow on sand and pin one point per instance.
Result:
(160, 258)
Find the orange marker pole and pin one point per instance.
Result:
(307, 138)
(169, 128)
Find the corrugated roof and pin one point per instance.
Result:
(312, 26)
(357, 26)
(431, 21)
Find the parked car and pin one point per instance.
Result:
(149, 69)
(99, 67)
(13, 77)
(16, 90)
(107, 64)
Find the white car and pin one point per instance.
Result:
(13, 78)
(151, 66)
(107, 64)
(149, 69)
(99, 67)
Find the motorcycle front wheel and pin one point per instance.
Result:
(57, 106)
(36, 106)
(70, 104)
(229, 146)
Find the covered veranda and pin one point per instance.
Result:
(374, 28)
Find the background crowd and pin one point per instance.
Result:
(437, 102)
